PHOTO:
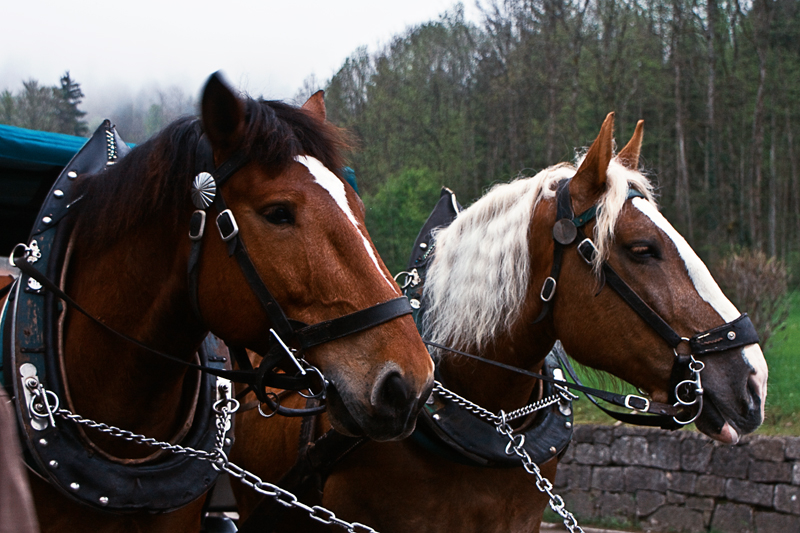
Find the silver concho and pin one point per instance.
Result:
(204, 189)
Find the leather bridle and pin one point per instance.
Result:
(289, 338)
(684, 393)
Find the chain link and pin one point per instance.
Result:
(476, 409)
(516, 445)
(224, 409)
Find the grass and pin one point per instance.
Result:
(783, 398)
(783, 359)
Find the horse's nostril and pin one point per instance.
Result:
(391, 395)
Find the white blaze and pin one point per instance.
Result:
(328, 181)
(708, 290)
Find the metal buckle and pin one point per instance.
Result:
(226, 224)
(549, 288)
(644, 406)
(197, 225)
(587, 256)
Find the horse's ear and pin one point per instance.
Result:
(629, 156)
(223, 114)
(316, 105)
(590, 179)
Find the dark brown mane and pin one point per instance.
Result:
(154, 179)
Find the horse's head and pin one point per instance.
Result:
(303, 228)
(603, 331)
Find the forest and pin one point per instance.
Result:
(469, 105)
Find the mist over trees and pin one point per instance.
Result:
(53, 108)
(464, 105)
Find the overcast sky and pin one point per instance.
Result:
(263, 47)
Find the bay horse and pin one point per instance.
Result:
(484, 294)
(126, 263)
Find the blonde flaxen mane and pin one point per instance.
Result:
(480, 275)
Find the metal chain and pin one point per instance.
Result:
(224, 409)
(490, 416)
(516, 446)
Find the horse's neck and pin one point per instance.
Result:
(138, 287)
(489, 386)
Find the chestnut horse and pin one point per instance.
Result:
(482, 295)
(303, 227)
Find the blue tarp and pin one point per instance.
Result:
(22, 148)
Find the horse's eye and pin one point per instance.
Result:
(644, 251)
(279, 214)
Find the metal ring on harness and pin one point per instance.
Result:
(322, 381)
(231, 405)
(277, 404)
(14, 252)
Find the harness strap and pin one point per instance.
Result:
(629, 401)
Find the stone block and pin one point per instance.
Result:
(583, 433)
(776, 523)
(624, 430)
(616, 504)
(675, 497)
(696, 455)
(609, 478)
(792, 449)
(767, 449)
(787, 499)
(796, 474)
(700, 504)
(733, 518)
(770, 472)
(569, 455)
(642, 478)
(630, 451)
(679, 519)
(710, 486)
(681, 482)
(580, 503)
(574, 476)
(665, 452)
(592, 454)
(604, 435)
(742, 491)
(648, 502)
(730, 461)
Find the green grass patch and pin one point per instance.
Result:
(783, 359)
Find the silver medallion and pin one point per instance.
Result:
(204, 189)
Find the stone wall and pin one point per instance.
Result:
(682, 480)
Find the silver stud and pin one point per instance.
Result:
(103, 500)
(204, 189)
(227, 441)
(47, 220)
(414, 303)
(568, 425)
(423, 245)
(731, 335)
(75, 485)
(72, 174)
(43, 442)
(58, 193)
(53, 464)
(437, 416)
(553, 450)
